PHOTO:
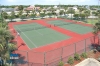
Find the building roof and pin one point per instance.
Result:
(89, 62)
(7, 9)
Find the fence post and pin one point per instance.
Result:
(27, 58)
(98, 39)
(44, 59)
(85, 45)
(75, 47)
(62, 54)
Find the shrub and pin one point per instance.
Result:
(84, 55)
(70, 60)
(61, 63)
(77, 57)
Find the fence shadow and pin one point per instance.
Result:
(21, 60)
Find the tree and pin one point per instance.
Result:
(80, 10)
(23, 17)
(33, 15)
(76, 16)
(12, 16)
(96, 29)
(27, 13)
(44, 11)
(61, 12)
(33, 11)
(82, 16)
(5, 47)
(65, 10)
(71, 11)
(5, 15)
(20, 13)
(87, 13)
(39, 10)
(4, 25)
(49, 14)
(20, 7)
(42, 15)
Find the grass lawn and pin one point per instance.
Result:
(92, 21)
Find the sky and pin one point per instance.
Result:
(49, 2)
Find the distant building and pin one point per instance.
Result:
(32, 7)
(7, 9)
(16, 8)
(55, 7)
(75, 8)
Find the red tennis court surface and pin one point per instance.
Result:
(51, 54)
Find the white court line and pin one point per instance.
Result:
(28, 38)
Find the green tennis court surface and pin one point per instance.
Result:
(34, 37)
(80, 29)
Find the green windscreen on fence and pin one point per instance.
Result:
(39, 37)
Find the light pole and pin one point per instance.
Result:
(98, 9)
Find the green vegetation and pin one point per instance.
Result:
(42, 15)
(92, 21)
(84, 55)
(77, 57)
(70, 61)
(61, 63)
(6, 47)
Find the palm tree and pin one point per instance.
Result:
(80, 10)
(1, 18)
(87, 13)
(5, 47)
(96, 29)
(20, 13)
(27, 13)
(5, 15)
(71, 11)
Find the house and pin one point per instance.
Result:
(30, 8)
(75, 8)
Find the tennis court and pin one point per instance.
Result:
(36, 35)
(72, 26)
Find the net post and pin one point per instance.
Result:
(44, 59)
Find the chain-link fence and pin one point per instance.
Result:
(53, 57)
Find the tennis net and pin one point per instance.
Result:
(32, 28)
(61, 24)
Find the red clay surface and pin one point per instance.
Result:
(74, 38)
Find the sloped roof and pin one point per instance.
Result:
(89, 62)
